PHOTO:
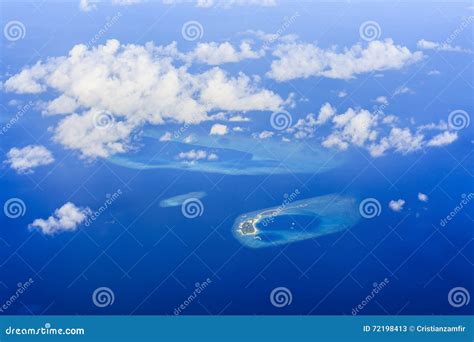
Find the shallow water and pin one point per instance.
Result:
(308, 218)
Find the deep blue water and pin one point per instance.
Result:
(152, 257)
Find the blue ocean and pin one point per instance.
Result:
(152, 258)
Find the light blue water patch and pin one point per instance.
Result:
(234, 155)
(176, 201)
(271, 226)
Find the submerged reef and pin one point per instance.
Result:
(320, 216)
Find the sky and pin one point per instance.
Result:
(109, 108)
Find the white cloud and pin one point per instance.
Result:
(402, 90)
(89, 5)
(66, 218)
(353, 126)
(396, 205)
(265, 135)
(433, 72)
(224, 4)
(422, 197)
(238, 129)
(195, 155)
(304, 128)
(219, 129)
(361, 128)
(239, 118)
(342, 93)
(429, 45)
(24, 160)
(382, 100)
(300, 60)
(215, 54)
(136, 86)
(325, 113)
(189, 139)
(166, 137)
(443, 139)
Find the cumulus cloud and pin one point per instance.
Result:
(342, 94)
(422, 197)
(132, 86)
(89, 5)
(195, 155)
(301, 60)
(239, 118)
(397, 205)
(65, 219)
(166, 137)
(429, 45)
(24, 160)
(305, 128)
(265, 135)
(219, 129)
(225, 4)
(378, 133)
(443, 139)
(325, 113)
(215, 54)
(382, 100)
